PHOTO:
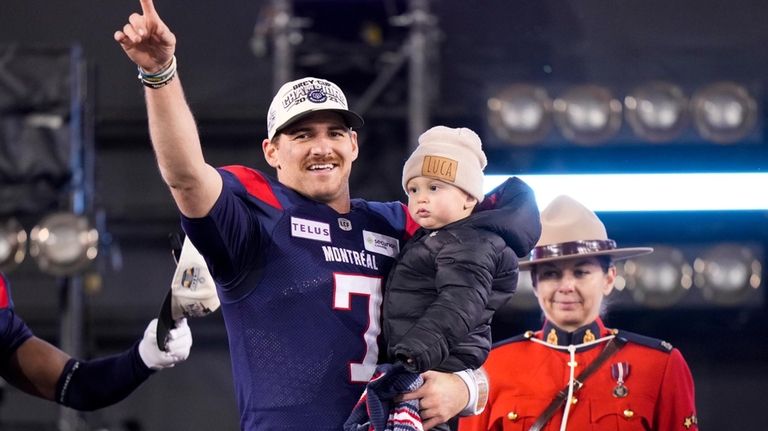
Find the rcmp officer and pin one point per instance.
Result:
(575, 373)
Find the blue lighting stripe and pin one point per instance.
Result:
(652, 192)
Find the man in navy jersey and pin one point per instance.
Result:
(40, 369)
(299, 266)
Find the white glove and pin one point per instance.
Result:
(179, 343)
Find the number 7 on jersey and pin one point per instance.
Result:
(346, 285)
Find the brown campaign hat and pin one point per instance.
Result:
(569, 230)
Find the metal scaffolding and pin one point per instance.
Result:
(416, 50)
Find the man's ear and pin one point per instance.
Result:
(270, 153)
(355, 148)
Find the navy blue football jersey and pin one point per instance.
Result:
(13, 330)
(301, 290)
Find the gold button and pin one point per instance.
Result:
(574, 400)
(628, 413)
(512, 416)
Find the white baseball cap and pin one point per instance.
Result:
(297, 99)
(192, 294)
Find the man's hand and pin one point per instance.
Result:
(146, 39)
(178, 345)
(441, 397)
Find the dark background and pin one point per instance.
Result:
(482, 45)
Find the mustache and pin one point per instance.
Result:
(322, 160)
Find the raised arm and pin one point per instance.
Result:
(149, 43)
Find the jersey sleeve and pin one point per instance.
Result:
(5, 293)
(13, 331)
(13, 334)
(231, 236)
(676, 404)
(410, 224)
(397, 215)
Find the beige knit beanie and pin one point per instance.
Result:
(454, 156)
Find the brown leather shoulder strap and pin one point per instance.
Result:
(612, 347)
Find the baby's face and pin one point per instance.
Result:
(434, 203)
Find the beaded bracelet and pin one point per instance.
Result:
(159, 79)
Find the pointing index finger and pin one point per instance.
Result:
(148, 8)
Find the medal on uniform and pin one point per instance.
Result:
(620, 372)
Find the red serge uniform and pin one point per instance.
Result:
(656, 394)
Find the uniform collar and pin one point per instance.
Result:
(555, 336)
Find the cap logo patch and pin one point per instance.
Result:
(313, 91)
(317, 96)
(441, 168)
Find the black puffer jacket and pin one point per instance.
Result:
(447, 283)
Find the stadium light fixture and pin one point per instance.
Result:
(657, 111)
(659, 279)
(727, 272)
(587, 114)
(63, 243)
(724, 112)
(521, 114)
(13, 244)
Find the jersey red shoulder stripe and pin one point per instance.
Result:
(256, 184)
(4, 296)
(410, 225)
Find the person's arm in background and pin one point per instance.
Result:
(149, 43)
(41, 369)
